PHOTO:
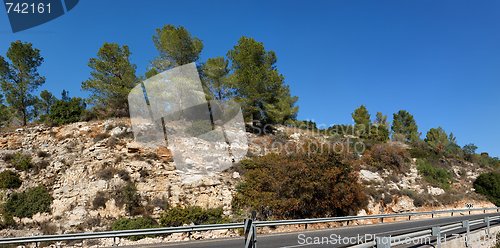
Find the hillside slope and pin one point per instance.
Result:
(86, 166)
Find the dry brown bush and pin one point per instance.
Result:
(387, 156)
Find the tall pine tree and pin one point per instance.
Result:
(259, 86)
(362, 121)
(404, 125)
(111, 79)
(215, 78)
(176, 46)
(20, 78)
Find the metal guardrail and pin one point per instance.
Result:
(203, 228)
(429, 232)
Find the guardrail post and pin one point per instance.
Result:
(436, 231)
(246, 228)
(114, 241)
(250, 232)
(487, 222)
(383, 242)
(466, 225)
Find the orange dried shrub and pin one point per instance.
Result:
(303, 185)
(387, 156)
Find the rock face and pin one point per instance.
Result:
(366, 175)
(75, 159)
(435, 191)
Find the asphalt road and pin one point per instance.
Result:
(335, 235)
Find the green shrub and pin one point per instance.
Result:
(124, 196)
(135, 223)
(420, 149)
(436, 176)
(9, 180)
(484, 160)
(21, 161)
(488, 184)
(128, 196)
(66, 111)
(454, 151)
(6, 220)
(301, 185)
(27, 203)
(178, 216)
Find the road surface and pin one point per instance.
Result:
(335, 237)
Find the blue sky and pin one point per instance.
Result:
(440, 60)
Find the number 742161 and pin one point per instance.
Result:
(27, 8)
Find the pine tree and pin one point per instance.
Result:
(5, 113)
(176, 46)
(215, 78)
(259, 86)
(404, 124)
(47, 99)
(362, 121)
(437, 139)
(20, 78)
(380, 129)
(111, 79)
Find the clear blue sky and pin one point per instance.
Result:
(440, 60)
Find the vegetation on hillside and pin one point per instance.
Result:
(29, 202)
(488, 184)
(134, 224)
(9, 180)
(178, 216)
(436, 176)
(299, 186)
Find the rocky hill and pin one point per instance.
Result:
(87, 165)
(77, 161)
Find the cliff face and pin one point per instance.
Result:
(85, 165)
(80, 161)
